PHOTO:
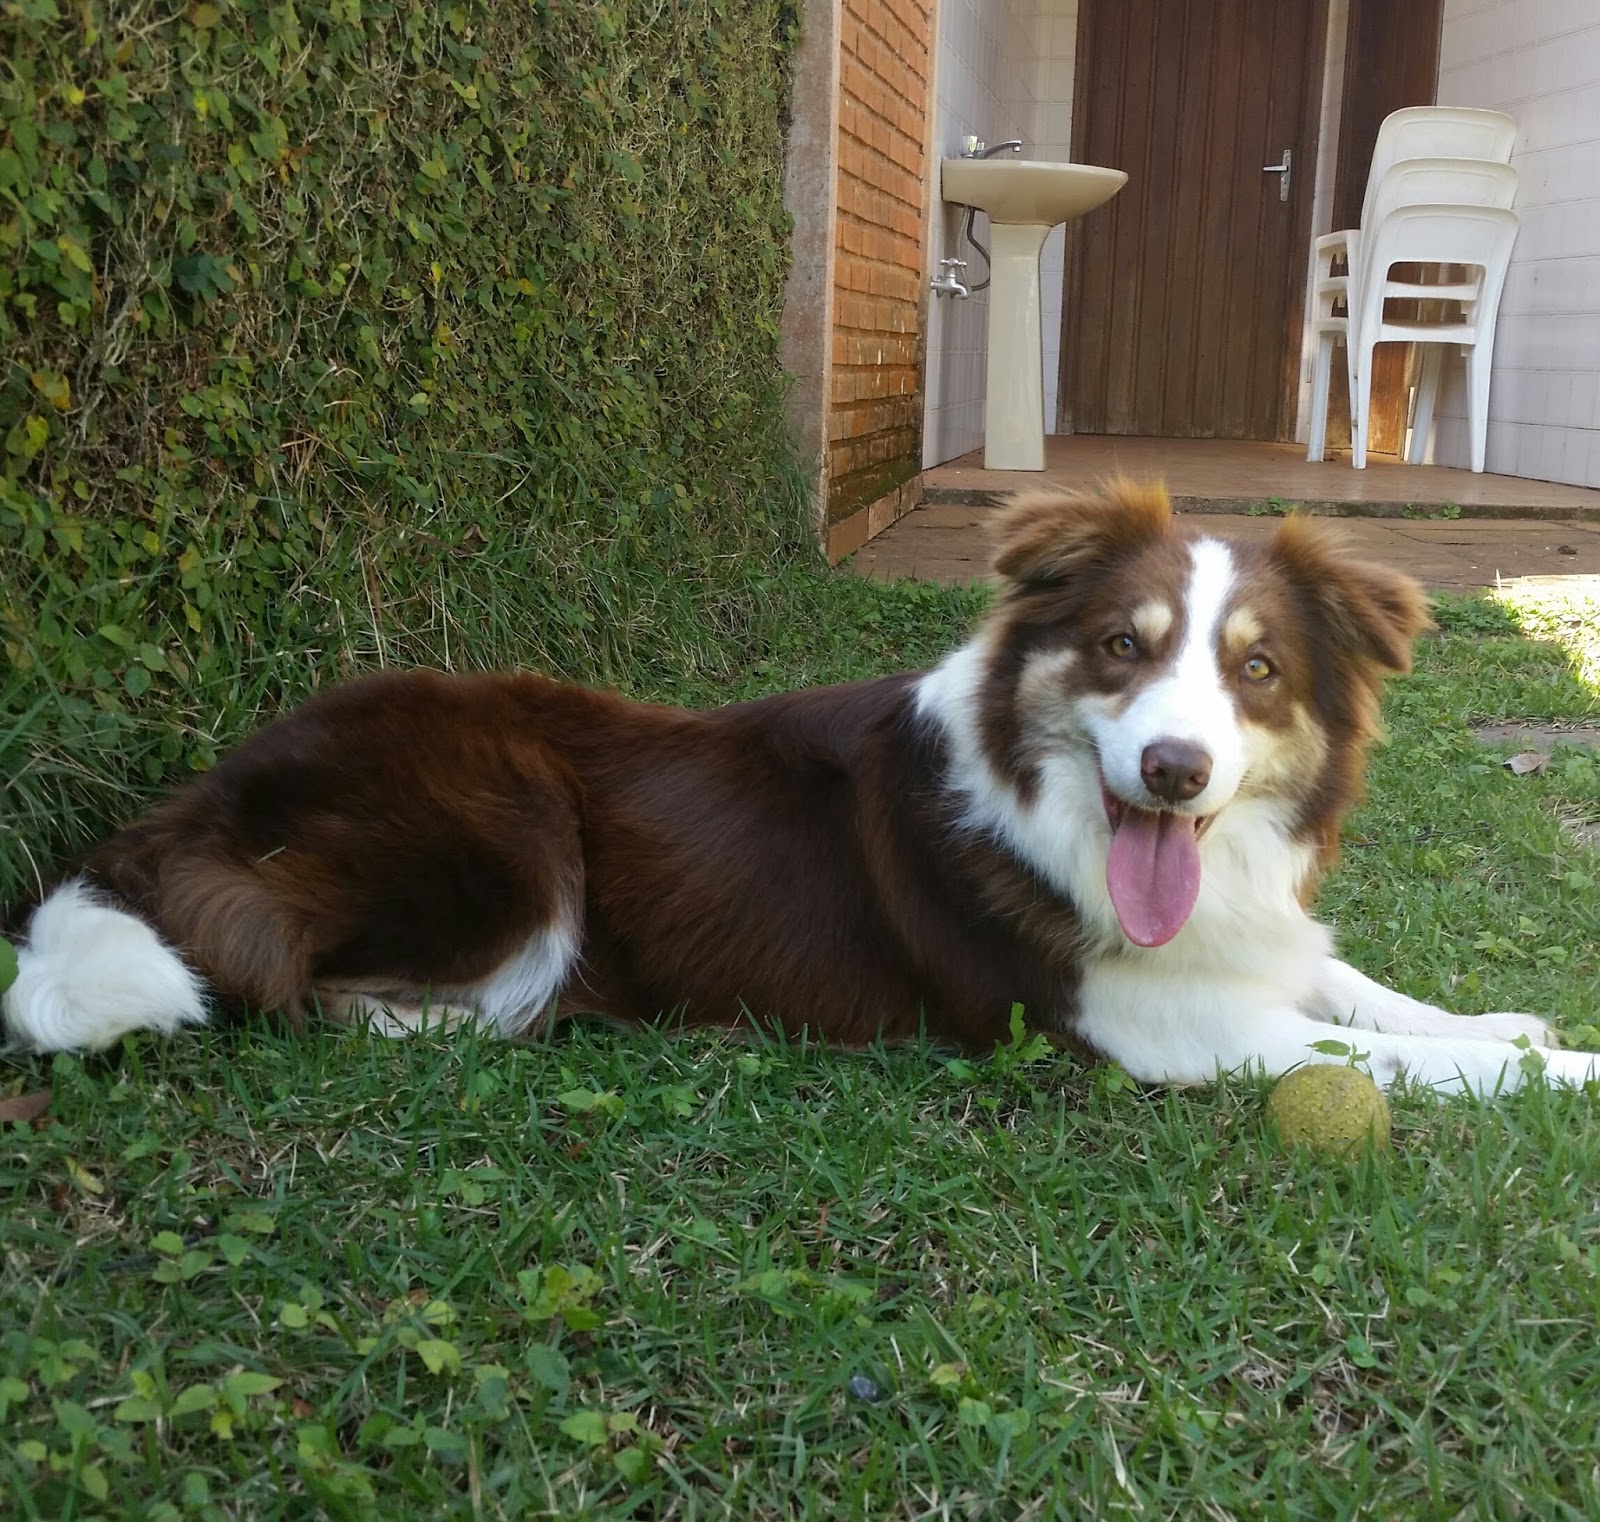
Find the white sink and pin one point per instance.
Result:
(1025, 193)
(1024, 200)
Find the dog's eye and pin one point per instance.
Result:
(1124, 646)
(1258, 668)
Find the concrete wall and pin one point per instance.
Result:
(805, 335)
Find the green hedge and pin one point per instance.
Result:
(371, 331)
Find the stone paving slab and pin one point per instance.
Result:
(1232, 476)
(950, 543)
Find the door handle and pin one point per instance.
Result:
(1283, 172)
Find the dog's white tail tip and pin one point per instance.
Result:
(90, 973)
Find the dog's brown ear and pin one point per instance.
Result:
(1371, 610)
(1044, 538)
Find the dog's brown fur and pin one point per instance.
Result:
(794, 857)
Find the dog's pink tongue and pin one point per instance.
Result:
(1153, 874)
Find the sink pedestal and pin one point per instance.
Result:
(1013, 409)
(1024, 200)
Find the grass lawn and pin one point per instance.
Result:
(633, 1275)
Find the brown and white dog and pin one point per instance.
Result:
(1110, 806)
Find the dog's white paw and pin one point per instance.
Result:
(1508, 1027)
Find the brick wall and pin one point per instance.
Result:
(880, 284)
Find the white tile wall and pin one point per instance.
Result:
(1539, 60)
(1003, 68)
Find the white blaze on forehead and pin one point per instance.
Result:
(1211, 577)
(1151, 620)
(1188, 701)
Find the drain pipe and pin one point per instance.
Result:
(948, 284)
(970, 234)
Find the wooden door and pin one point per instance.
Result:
(1183, 298)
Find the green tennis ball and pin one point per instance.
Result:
(1329, 1108)
(8, 964)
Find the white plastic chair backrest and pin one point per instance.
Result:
(1480, 236)
(1440, 181)
(1452, 132)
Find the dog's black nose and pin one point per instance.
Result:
(1175, 770)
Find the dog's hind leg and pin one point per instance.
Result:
(518, 993)
(510, 999)
(391, 1016)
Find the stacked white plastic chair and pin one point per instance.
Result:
(1439, 194)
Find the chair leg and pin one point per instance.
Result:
(1360, 352)
(1480, 359)
(1431, 362)
(1321, 374)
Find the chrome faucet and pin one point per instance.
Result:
(972, 147)
(950, 283)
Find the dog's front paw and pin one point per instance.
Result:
(1508, 1027)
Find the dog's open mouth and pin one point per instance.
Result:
(1152, 869)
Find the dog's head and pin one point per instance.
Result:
(1193, 672)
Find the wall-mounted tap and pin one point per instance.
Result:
(973, 148)
(949, 283)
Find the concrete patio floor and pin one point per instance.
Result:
(1449, 528)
